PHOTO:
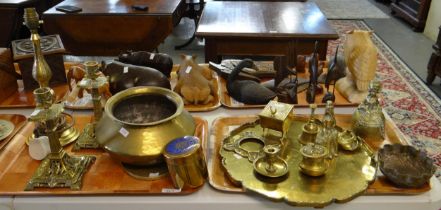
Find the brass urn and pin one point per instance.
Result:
(139, 122)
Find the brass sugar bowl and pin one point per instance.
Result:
(139, 122)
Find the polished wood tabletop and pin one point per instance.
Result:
(115, 7)
(263, 19)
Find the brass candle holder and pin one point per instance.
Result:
(92, 81)
(58, 169)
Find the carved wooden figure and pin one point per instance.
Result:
(194, 82)
(361, 60)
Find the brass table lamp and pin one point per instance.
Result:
(58, 169)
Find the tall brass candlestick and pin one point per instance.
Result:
(58, 169)
(92, 81)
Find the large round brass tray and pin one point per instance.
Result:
(348, 176)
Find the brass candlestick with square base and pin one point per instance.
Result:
(58, 169)
(92, 81)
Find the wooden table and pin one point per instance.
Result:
(107, 27)
(263, 28)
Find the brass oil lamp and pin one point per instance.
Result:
(58, 169)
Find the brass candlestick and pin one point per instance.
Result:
(58, 169)
(92, 81)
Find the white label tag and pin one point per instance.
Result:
(273, 31)
(124, 132)
(188, 70)
(126, 70)
(35, 112)
(169, 190)
(154, 174)
(237, 156)
(152, 56)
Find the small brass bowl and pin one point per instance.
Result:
(348, 140)
(405, 166)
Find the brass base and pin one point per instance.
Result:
(68, 136)
(87, 139)
(60, 170)
(152, 172)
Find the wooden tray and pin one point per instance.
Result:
(18, 120)
(173, 79)
(25, 99)
(221, 127)
(229, 102)
(104, 177)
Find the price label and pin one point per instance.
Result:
(35, 112)
(126, 70)
(154, 174)
(152, 56)
(124, 132)
(170, 190)
(273, 32)
(188, 70)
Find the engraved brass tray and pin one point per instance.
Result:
(218, 177)
(348, 176)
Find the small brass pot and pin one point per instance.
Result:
(314, 162)
(139, 122)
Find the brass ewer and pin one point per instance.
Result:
(58, 169)
(368, 119)
(92, 81)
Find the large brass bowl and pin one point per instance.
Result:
(139, 122)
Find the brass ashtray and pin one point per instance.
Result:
(405, 166)
(348, 140)
(271, 165)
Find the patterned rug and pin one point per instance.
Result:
(413, 107)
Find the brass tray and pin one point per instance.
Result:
(221, 127)
(173, 79)
(104, 177)
(18, 121)
(229, 102)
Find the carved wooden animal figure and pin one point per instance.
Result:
(247, 91)
(361, 57)
(194, 82)
(159, 61)
(123, 76)
(77, 73)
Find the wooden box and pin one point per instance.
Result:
(53, 51)
(8, 80)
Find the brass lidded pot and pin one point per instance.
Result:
(186, 162)
(139, 122)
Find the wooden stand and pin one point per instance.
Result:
(53, 50)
